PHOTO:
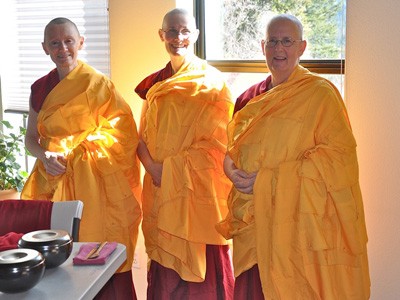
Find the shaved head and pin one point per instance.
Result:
(60, 21)
(287, 17)
(179, 11)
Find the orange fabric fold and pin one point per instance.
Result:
(304, 224)
(184, 127)
(85, 118)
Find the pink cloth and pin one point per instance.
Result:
(80, 258)
(23, 216)
(10, 241)
(165, 283)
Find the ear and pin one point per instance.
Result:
(263, 46)
(161, 35)
(45, 48)
(81, 41)
(303, 46)
(195, 36)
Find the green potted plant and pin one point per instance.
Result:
(12, 150)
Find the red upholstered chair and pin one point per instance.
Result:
(23, 216)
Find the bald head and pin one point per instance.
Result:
(60, 21)
(286, 17)
(179, 11)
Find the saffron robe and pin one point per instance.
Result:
(184, 128)
(304, 223)
(85, 118)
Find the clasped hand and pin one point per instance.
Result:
(54, 163)
(242, 180)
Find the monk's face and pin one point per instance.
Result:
(62, 42)
(281, 60)
(179, 34)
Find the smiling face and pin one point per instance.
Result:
(62, 42)
(281, 60)
(179, 33)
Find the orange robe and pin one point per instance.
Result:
(184, 127)
(85, 118)
(304, 223)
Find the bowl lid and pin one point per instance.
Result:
(17, 256)
(48, 237)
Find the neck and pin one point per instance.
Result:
(63, 72)
(178, 61)
(275, 80)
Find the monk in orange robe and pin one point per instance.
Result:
(85, 139)
(295, 211)
(182, 144)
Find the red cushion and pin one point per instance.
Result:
(23, 216)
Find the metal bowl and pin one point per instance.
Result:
(20, 270)
(55, 245)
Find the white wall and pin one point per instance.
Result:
(372, 96)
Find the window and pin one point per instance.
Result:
(22, 58)
(231, 31)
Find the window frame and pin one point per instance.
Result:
(321, 66)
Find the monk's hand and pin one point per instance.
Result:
(54, 163)
(243, 181)
(155, 171)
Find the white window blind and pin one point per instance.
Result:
(22, 58)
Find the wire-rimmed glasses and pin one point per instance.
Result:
(286, 42)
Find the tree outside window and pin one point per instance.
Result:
(231, 32)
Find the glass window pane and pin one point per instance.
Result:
(234, 28)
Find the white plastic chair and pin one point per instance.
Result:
(66, 215)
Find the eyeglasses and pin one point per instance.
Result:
(286, 42)
(173, 33)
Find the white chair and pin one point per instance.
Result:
(66, 215)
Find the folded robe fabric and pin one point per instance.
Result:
(81, 257)
(86, 118)
(304, 223)
(184, 127)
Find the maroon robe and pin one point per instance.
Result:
(42, 87)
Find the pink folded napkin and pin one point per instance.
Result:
(80, 258)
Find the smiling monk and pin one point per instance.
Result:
(295, 211)
(84, 137)
(182, 144)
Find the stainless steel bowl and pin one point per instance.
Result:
(55, 245)
(20, 270)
